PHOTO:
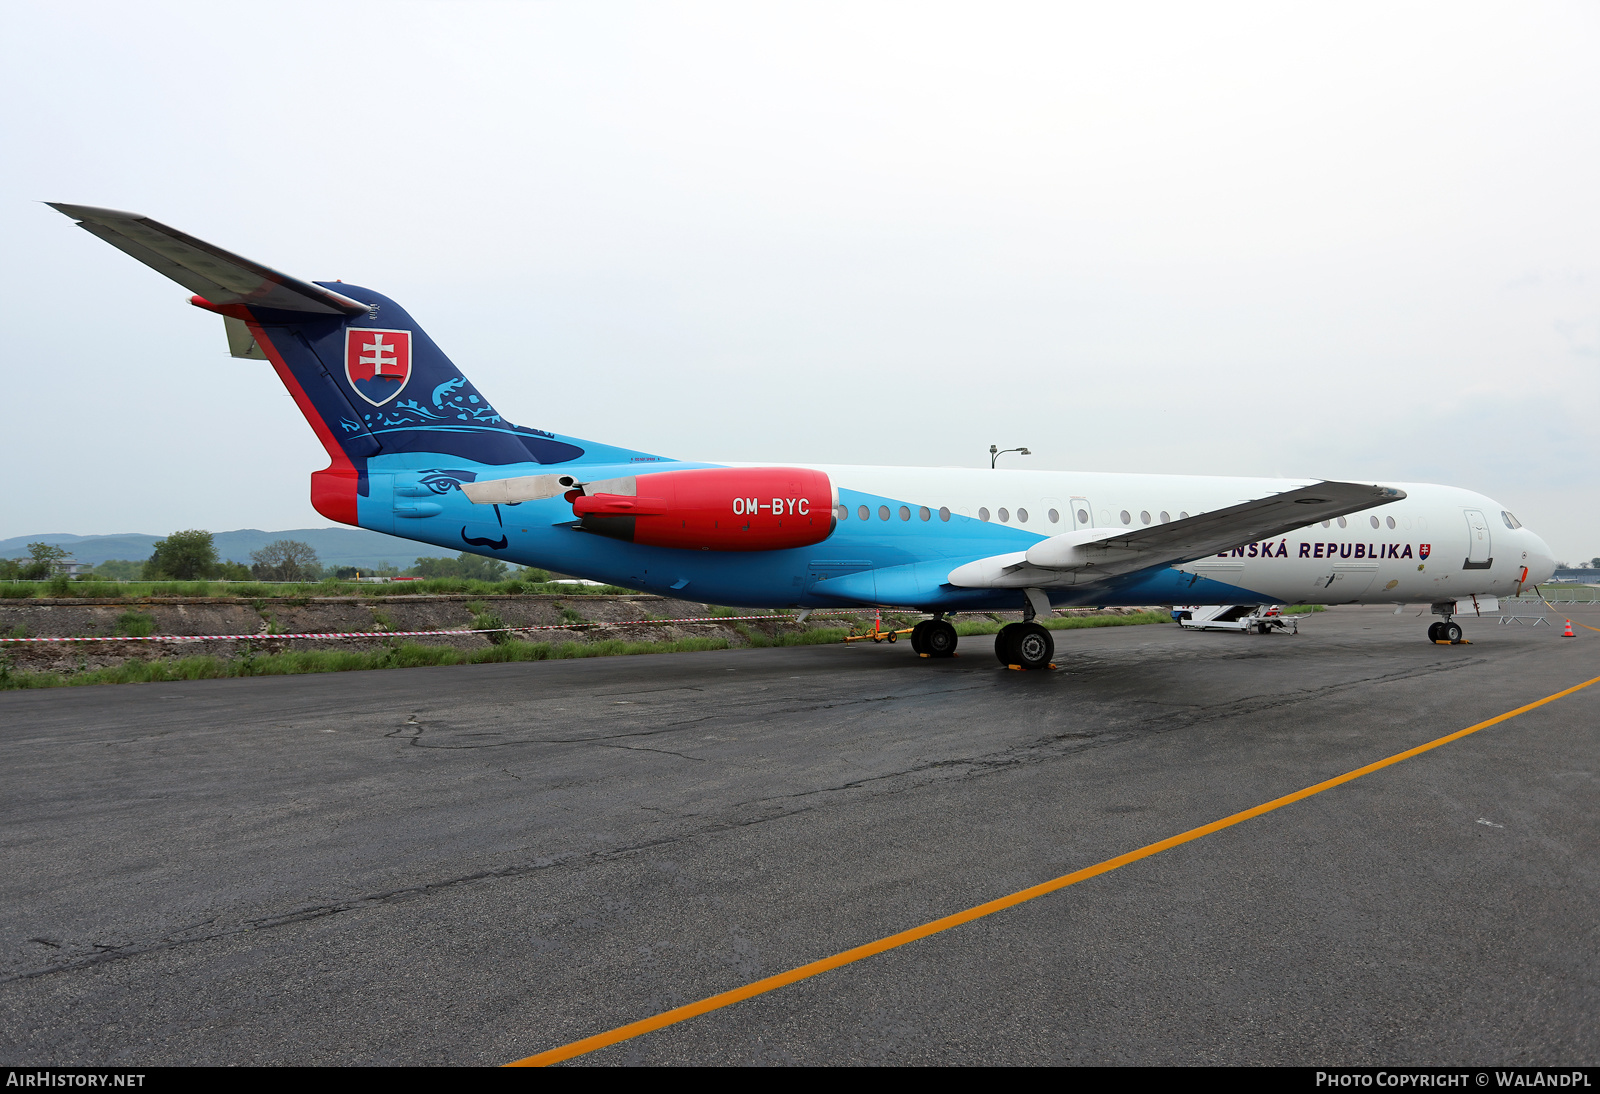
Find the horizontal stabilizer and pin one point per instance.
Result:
(218, 276)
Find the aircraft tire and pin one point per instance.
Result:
(919, 636)
(939, 640)
(1433, 631)
(1004, 646)
(1451, 631)
(1033, 646)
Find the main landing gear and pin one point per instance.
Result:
(934, 638)
(1026, 645)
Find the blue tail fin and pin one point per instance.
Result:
(367, 378)
(378, 383)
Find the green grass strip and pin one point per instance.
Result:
(1069, 623)
(295, 662)
(402, 655)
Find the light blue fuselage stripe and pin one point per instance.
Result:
(906, 560)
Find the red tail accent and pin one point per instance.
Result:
(333, 490)
(333, 494)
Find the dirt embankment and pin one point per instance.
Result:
(581, 618)
(569, 619)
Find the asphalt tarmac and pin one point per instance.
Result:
(468, 865)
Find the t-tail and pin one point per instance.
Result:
(368, 379)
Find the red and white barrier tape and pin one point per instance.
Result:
(414, 634)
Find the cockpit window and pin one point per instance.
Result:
(1511, 521)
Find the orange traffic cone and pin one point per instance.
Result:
(1568, 633)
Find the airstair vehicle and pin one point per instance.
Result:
(1261, 618)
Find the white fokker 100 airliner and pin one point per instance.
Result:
(417, 451)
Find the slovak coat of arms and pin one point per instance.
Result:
(1423, 549)
(377, 362)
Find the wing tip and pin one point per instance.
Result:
(81, 213)
(1388, 493)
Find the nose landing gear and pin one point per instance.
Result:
(1446, 632)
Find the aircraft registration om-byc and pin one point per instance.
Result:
(416, 451)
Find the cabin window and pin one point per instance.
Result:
(1343, 523)
(1054, 515)
(1327, 524)
(1083, 516)
(944, 512)
(1126, 519)
(905, 512)
(883, 512)
(1164, 517)
(864, 513)
(1374, 521)
(1183, 516)
(1144, 516)
(1022, 516)
(1005, 517)
(1390, 520)
(923, 513)
(983, 514)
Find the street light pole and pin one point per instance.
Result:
(995, 452)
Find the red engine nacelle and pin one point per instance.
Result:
(712, 509)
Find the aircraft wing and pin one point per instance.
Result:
(1094, 554)
(218, 276)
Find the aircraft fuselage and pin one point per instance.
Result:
(917, 524)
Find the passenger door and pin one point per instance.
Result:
(1480, 556)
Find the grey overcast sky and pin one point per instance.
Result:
(1351, 240)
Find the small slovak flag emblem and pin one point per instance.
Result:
(1424, 549)
(377, 362)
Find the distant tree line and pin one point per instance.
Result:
(191, 555)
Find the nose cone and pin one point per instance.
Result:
(1541, 560)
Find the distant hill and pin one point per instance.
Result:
(334, 546)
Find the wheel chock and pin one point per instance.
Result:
(1019, 668)
(1447, 642)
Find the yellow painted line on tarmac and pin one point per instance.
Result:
(803, 972)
